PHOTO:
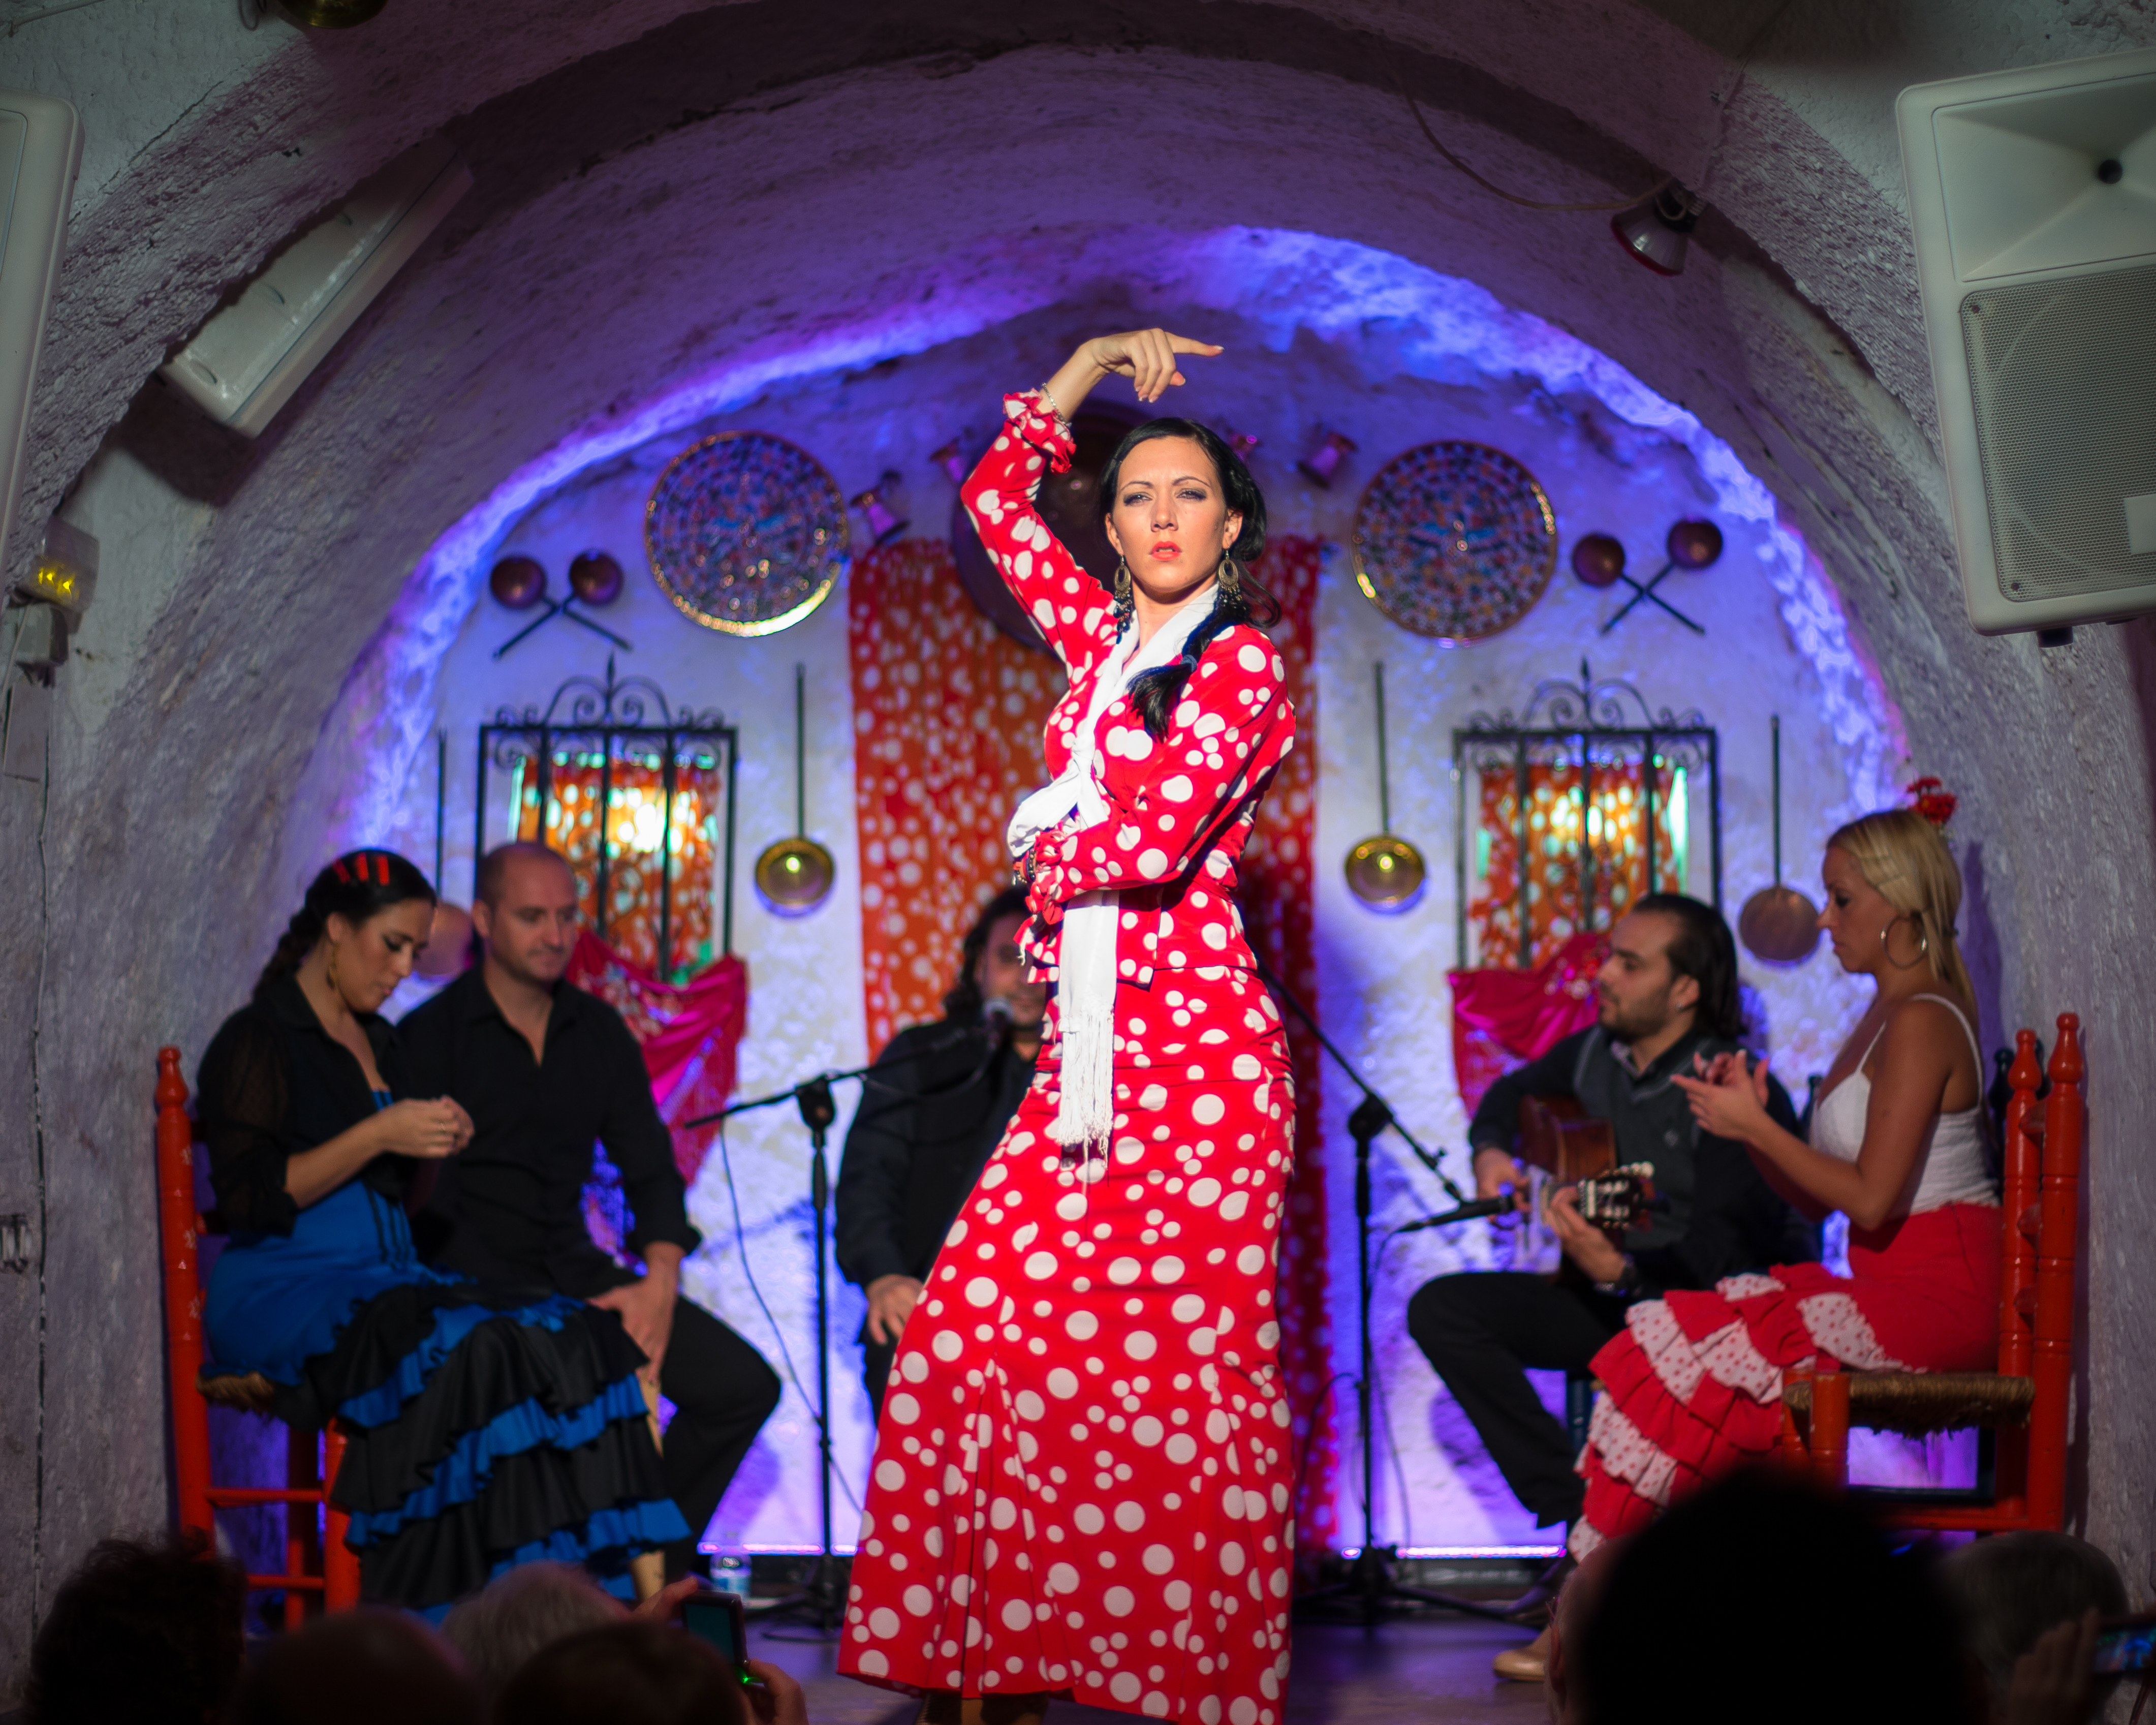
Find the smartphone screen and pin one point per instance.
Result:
(720, 1619)
(2124, 1645)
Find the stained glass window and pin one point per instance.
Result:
(639, 828)
(1614, 868)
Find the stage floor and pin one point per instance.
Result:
(1431, 1668)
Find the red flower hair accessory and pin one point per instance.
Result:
(1931, 799)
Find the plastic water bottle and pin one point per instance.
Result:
(730, 1575)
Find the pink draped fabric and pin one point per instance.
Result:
(690, 1033)
(1501, 1017)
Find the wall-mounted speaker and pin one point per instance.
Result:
(2032, 198)
(40, 153)
(246, 361)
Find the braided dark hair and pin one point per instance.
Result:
(357, 886)
(964, 1000)
(1154, 693)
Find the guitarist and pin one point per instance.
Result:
(1666, 1001)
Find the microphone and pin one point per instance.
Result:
(1464, 1213)
(996, 1019)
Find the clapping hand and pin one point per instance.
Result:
(1145, 356)
(1728, 1097)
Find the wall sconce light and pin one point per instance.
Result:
(952, 458)
(1322, 465)
(1243, 443)
(1658, 231)
(883, 525)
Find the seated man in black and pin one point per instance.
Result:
(1666, 996)
(546, 1072)
(931, 1113)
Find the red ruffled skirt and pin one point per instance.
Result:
(1693, 1383)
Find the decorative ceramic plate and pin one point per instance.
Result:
(747, 532)
(1455, 541)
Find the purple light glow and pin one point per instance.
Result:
(1287, 283)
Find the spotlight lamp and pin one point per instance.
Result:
(1658, 231)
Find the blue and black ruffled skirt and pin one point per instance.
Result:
(484, 1427)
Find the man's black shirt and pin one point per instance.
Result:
(925, 1129)
(509, 1207)
(1721, 1217)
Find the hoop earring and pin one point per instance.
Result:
(1126, 605)
(1923, 943)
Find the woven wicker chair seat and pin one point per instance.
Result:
(249, 1392)
(1914, 1403)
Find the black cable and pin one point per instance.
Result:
(748, 1268)
(37, 1140)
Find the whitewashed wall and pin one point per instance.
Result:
(1438, 359)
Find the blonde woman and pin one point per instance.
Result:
(1898, 1145)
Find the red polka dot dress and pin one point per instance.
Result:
(1084, 1474)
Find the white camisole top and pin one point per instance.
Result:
(1953, 1166)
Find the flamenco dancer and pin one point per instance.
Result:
(483, 1431)
(1898, 1145)
(1083, 1472)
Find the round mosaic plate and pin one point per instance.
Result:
(1455, 541)
(747, 532)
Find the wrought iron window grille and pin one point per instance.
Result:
(1587, 726)
(619, 720)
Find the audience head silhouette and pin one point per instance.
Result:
(2011, 1589)
(634, 1673)
(149, 1633)
(1763, 1598)
(358, 1668)
(521, 1613)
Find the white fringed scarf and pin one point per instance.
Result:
(1086, 972)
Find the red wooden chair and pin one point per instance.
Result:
(316, 1560)
(2023, 1404)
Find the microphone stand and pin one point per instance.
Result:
(1368, 1591)
(821, 1601)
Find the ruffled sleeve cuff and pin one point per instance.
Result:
(1040, 424)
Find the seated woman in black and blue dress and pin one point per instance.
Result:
(485, 1427)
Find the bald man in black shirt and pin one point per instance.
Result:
(547, 1071)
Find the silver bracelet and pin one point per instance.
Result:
(1062, 423)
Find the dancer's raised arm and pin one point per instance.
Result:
(1065, 603)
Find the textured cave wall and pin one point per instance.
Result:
(745, 185)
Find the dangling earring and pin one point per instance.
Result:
(1923, 943)
(329, 969)
(1126, 605)
(1230, 578)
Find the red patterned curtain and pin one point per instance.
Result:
(948, 713)
(1615, 837)
(1277, 912)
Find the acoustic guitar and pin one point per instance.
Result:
(1571, 1147)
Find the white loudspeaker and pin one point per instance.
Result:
(245, 362)
(40, 153)
(2033, 197)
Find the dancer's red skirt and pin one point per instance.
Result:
(1693, 1383)
(1084, 1471)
